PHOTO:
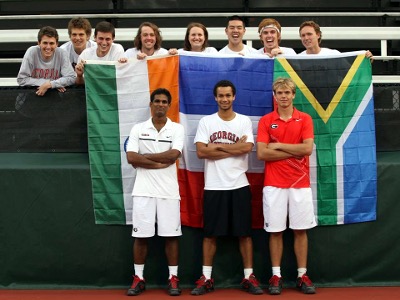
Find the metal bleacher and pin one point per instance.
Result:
(346, 25)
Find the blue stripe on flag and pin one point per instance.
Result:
(360, 176)
(252, 78)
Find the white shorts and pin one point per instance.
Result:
(148, 211)
(277, 202)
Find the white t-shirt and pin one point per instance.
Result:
(206, 50)
(324, 51)
(73, 56)
(144, 138)
(227, 173)
(115, 53)
(286, 51)
(245, 51)
(133, 52)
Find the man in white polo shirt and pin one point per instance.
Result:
(152, 149)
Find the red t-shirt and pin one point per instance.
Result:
(290, 172)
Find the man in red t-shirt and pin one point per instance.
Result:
(285, 141)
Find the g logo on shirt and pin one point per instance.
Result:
(274, 126)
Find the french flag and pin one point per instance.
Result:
(198, 75)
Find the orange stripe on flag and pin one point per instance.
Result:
(163, 73)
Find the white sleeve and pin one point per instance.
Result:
(179, 138)
(201, 133)
(248, 130)
(133, 141)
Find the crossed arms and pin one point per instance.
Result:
(279, 151)
(153, 160)
(220, 151)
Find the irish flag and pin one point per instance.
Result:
(117, 97)
(336, 92)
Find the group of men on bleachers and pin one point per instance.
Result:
(48, 66)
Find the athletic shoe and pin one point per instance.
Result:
(173, 286)
(305, 284)
(275, 285)
(138, 286)
(251, 285)
(203, 286)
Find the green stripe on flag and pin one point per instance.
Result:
(329, 125)
(104, 143)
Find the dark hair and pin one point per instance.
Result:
(235, 18)
(80, 23)
(138, 40)
(48, 31)
(161, 91)
(224, 83)
(313, 25)
(187, 46)
(104, 26)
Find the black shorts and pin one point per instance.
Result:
(227, 212)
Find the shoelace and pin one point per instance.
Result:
(201, 282)
(274, 280)
(306, 280)
(174, 282)
(254, 281)
(135, 282)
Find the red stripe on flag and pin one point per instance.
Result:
(191, 187)
(256, 181)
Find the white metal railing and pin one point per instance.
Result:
(382, 34)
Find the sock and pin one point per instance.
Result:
(207, 271)
(276, 271)
(301, 272)
(173, 270)
(139, 270)
(248, 272)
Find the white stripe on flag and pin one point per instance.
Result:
(133, 105)
(339, 153)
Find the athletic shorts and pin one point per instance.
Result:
(227, 212)
(279, 203)
(147, 211)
